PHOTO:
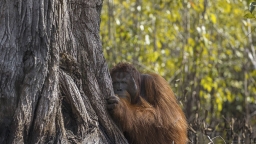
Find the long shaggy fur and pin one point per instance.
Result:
(156, 117)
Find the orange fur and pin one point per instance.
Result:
(156, 117)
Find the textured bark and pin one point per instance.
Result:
(53, 76)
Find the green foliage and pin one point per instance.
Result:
(249, 16)
(200, 48)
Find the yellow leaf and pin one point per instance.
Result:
(191, 42)
(219, 106)
(159, 45)
(213, 18)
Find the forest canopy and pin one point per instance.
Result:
(205, 49)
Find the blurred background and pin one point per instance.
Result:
(205, 49)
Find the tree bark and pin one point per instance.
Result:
(53, 75)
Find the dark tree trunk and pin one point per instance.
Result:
(53, 76)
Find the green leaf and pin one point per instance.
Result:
(249, 16)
